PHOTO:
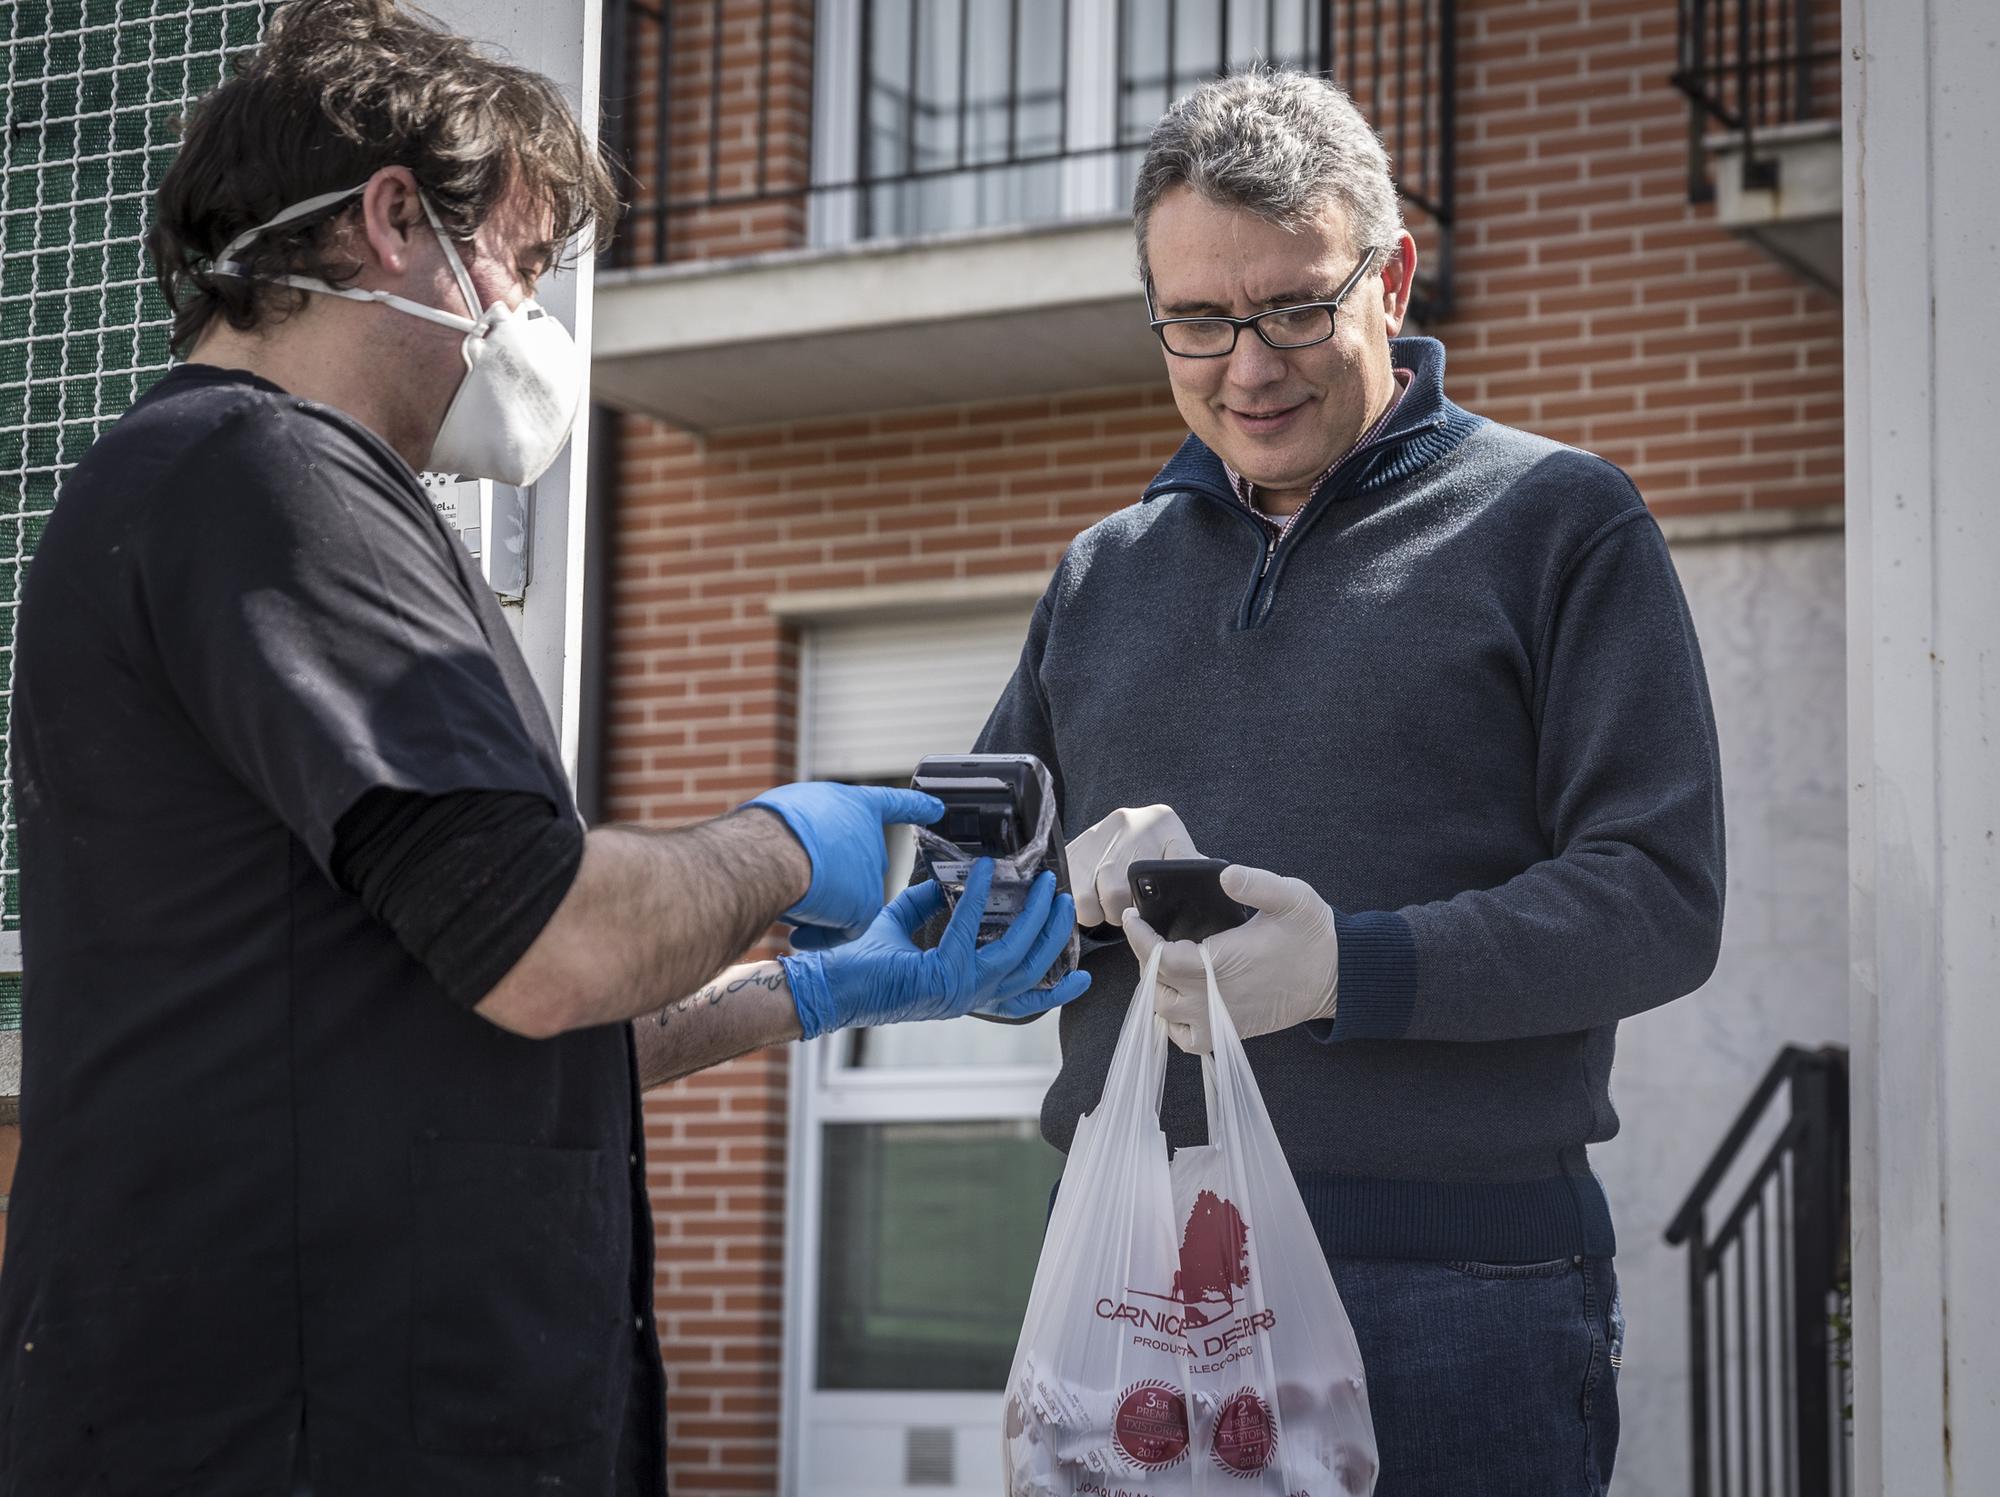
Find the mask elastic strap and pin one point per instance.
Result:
(438, 315)
(458, 269)
(225, 263)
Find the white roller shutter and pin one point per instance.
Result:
(881, 693)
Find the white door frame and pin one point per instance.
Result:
(1922, 131)
(822, 1090)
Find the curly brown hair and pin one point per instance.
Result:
(337, 90)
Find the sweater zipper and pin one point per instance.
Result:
(1256, 603)
(1264, 594)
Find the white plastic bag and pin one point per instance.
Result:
(1183, 1337)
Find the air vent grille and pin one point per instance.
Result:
(927, 1458)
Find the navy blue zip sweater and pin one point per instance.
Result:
(1463, 700)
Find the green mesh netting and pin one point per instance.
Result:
(92, 90)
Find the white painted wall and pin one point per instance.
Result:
(1922, 135)
(561, 40)
(1770, 615)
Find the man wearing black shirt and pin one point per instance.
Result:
(335, 1016)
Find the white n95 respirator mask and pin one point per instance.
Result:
(523, 381)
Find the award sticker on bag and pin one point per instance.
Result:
(1151, 1426)
(1244, 1438)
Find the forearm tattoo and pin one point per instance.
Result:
(712, 995)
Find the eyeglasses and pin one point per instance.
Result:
(1298, 326)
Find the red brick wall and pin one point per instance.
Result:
(715, 1163)
(739, 119)
(1593, 304)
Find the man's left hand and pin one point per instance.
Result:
(885, 978)
(1281, 969)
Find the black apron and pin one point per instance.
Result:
(283, 1211)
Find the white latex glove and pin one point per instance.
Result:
(1281, 968)
(1098, 859)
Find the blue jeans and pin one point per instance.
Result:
(1489, 1379)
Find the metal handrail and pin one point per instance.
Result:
(1792, 1443)
(1748, 70)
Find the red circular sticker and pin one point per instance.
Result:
(1245, 1439)
(1151, 1426)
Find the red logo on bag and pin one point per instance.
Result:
(1215, 1254)
(1215, 1263)
(1151, 1426)
(1245, 1436)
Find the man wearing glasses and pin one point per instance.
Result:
(1430, 685)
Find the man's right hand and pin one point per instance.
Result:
(840, 828)
(1100, 858)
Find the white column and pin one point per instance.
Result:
(559, 39)
(1922, 161)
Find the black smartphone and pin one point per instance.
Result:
(1182, 898)
(995, 806)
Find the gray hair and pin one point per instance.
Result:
(1279, 143)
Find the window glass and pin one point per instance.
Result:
(945, 95)
(929, 1235)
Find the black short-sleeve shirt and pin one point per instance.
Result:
(277, 1194)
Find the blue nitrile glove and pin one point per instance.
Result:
(840, 827)
(884, 978)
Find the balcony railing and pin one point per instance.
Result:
(1765, 1366)
(1749, 67)
(749, 126)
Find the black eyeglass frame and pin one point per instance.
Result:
(1159, 325)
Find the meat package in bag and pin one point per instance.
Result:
(1183, 1337)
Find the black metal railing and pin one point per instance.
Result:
(851, 120)
(1748, 66)
(1764, 1291)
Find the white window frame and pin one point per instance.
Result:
(823, 1092)
(1089, 183)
